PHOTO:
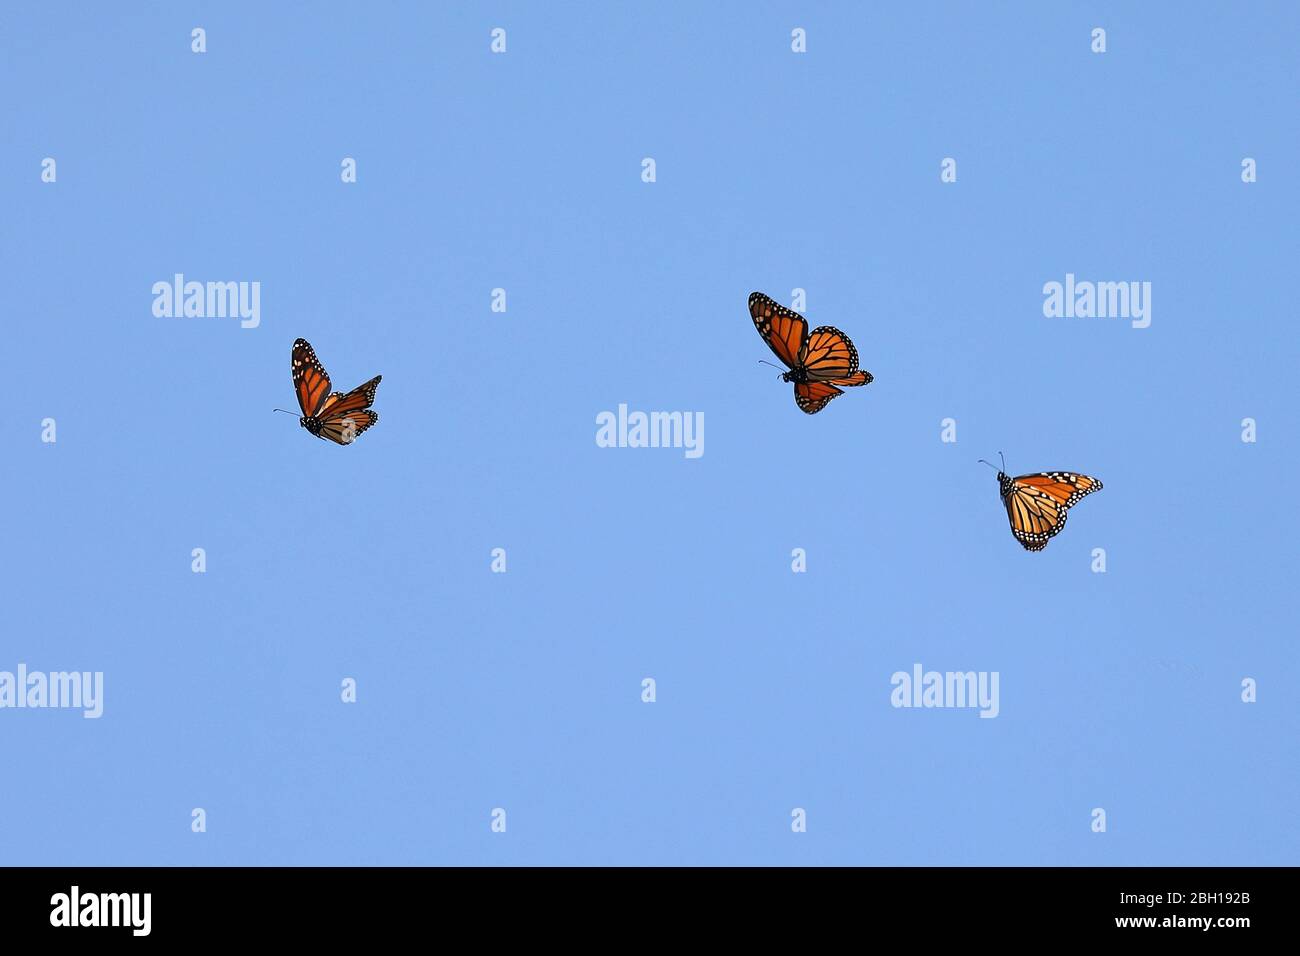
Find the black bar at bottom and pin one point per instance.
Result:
(89, 905)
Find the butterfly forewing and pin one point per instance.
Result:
(1064, 486)
(785, 332)
(363, 396)
(310, 382)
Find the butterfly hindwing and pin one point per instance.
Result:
(344, 429)
(785, 332)
(812, 397)
(1035, 517)
(311, 383)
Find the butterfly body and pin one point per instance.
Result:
(821, 362)
(1037, 504)
(338, 416)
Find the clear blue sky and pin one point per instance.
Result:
(522, 690)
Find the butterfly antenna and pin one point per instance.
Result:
(1004, 462)
(282, 410)
(983, 462)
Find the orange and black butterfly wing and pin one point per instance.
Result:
(345, 428)
(344, 416)
(1038, 504)
(341, 403)
(310, 381)
(785, 332)
(829, 355)
(1065, 487)
(1035, 516)
(812, 397)
(860, 377)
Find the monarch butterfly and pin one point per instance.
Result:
(338, 416)
(1037, 504)
(818, 361)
